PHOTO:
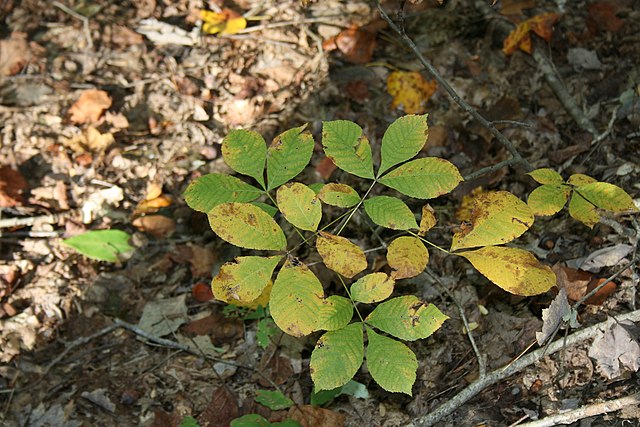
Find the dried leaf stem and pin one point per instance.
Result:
(500, 374)
(504, 141)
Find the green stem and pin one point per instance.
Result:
(428, 242)
(355, 307)
(356, 207)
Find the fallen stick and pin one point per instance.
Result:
(585, 412)
(500, 374)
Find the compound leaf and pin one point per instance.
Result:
(273, 399)
(245, 279)
(340, 195)
(337, 357)
(390, 212)
(345, 144)
(407, 256)
(514, 270)
(407, 318)
(391, 363)
(296, 299)
(497, 217)
(102, 245)
(300, 206)
(336, 313)
(372, 288)
(341, 255)
(424, 178)
(606, 196)
(548, 199)
(245, 152)
(583, 211)
(403, 139)
(247, 226)
(211, 190)
(288, 155)
(546, 176)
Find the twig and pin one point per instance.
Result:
(482, 363)
(500, 374)
(601, 285)
(451, 91)
(585, 412)
(84, 19)
(25, 222)
(490, 169)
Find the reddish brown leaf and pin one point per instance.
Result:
(520, 37)
(574, 281)
(159, 226)
(356, 44)
(90, 106)
(312, 416)
(276, 368)
(602, 16)
(221, 329)
(325, 168)
(599, 297)
(222, 409)
(12, 187)
(202, 292)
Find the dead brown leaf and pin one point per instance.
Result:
(276, 368)
(222, 409)
(602, 16)
(356, 44)
(325, 168)
(14, 54)
(221, 329)
(312, 416)
(159, 226)
(578, 283)
(12, 187)
(90, 106)
(89, 140)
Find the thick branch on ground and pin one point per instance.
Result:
(501, 373)
(504, 141)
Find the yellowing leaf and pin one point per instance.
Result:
(546, 176)
(463, 213)
(337, 357)
(340, 255)
(296, 299)
(606, 196)
(374, 287)
(300, 206)
(520, 37)
(580, 179)
(497, 217)
(247, 226)
(391, 363)
(514, 270)
(406, 318)
(243, 280)
(427, 221)
(336, 313)
(407, 256)
(548, 199)
(225, 22)
(340, 195)
(410, 91)
(583, 211)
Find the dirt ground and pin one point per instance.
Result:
(106, 116)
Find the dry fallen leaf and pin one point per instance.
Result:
(221, 410)
(14, 54)
(520, 37)
(615, 349)
(89, 140)
(312, 416)
(221, 329)
(12, 187)
(153, 205)
(225, 22)
(90, 106)
(159, 226)
(552, 317)
(602, 16)
(410, 91)
(325, 168)
(356, 44)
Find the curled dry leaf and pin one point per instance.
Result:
(90, 106)
(12, 187)
(159, 226)
(14, 54)
(356, 44)
(578, 283)
(520, 37)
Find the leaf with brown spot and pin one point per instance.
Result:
(247, 226)
(245, 279)
(514, 270)
(374, 287)
(89, 106)
(407, 256)
(427, 221)
(341, 255)
(300, 206)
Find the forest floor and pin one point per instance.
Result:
(106, 116)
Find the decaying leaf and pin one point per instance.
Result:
(407, 256)
(341, 255)
(91, 140)
(225, 22)
(90, 106)
(356, 44)
(427, 221)
(159, 226)
(520, 37)
(553, 316)
(615, 350)
(410, 91)
(14, 54)
(311, 416)
(12, 187)
(162, 317)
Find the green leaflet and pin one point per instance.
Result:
(424, 178)
(406, 318)
(288, 155)
(245, 152)
(403, 139)
(345, 144)
(391, 364)
(213, 189)
(102, 245)
(337, 357)
(390, 212)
